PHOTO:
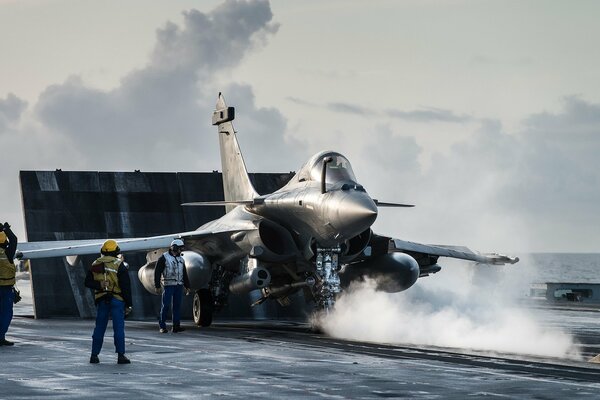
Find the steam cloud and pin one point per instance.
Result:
(471, 308)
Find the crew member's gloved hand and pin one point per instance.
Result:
(157, 290)
(128, 310)
(6, 226)
(187, 291)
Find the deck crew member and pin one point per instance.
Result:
(8, 246)
(109, 277)
(170, 272)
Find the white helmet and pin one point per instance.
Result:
(177, 242)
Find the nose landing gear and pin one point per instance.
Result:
(328, 281)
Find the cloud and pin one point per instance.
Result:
(211, 41)
(158, 117)
(156, 109)
(349, 108)
(260, 127)
(556, 184)
(533, 189)
(429, 114)
(425, 115)
(545, 175)
(394, 157)
(301, 102)
(11, 109)
(580, 118)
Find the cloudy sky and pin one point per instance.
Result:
(486, 115)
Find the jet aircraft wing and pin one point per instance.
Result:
(460, 252)
(32, 250)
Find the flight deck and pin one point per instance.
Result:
(280, 359)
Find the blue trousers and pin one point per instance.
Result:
(115, 308)
(175, 293)
(6, 309)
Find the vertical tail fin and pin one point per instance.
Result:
(236, 183)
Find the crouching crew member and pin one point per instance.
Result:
(109, 277)
(171, 267)
(8, 246)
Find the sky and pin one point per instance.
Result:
(485, 114)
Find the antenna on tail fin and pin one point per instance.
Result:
(236, 183)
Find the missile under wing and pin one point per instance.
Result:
(314, 234)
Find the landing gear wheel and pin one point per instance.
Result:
(203, 307)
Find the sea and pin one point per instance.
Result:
(561, 267)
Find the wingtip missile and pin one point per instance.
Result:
(500, 259)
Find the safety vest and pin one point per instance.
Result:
(7, 270)
(111, 268)
(173, 273)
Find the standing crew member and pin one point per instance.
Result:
(8, 246)
(174, 278)
(109, 278)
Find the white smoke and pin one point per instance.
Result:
(472, 307)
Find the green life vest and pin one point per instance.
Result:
(111, 268)
(7, 270)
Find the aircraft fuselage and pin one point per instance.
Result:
(329, 218)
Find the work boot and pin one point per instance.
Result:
(5, 342)
(178, 329)
(163, 330)
(122, 359)
(94, 359)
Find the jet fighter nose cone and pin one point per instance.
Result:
(356, 213)
(355, 207)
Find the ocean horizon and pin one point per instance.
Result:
(561, 267)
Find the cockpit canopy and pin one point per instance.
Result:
(338, 169)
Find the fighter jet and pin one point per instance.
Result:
(314, 234)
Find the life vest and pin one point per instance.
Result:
(7, 270)
(106, 268)
(173, 273)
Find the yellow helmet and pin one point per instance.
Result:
(3, 238)
(109, 246)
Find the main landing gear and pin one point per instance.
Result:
(203, 307)
(207, 301)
